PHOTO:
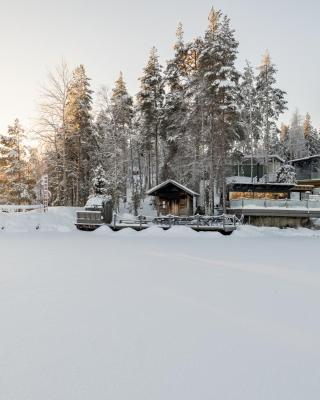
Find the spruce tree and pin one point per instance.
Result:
(311, 136)
(272, 101)
(296, 139)
(218, 92)
(81, 139)
(150, 102)
(110, 149)
(173, 126)
(17, 183)
(250, 116)
(122, 114)
(99, 181)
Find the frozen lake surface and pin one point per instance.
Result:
(159, 315)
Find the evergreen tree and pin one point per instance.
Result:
(272, 101)
(218, 93)
(311, 136)
(150, 102)
(81, 139)
(250, 115)
(110, 149)
(17, 183)
(173, 127)
(122, 114)
(286, 174)
(296, 138)
(99, 181)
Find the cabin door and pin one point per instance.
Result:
(174, 209)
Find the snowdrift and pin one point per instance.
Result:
(57, 219)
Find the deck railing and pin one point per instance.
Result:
(167, 221)
(285, 203)
(223, 220)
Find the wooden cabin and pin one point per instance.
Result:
(173, 198)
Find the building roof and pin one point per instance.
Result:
(97, 201)
(305, 158)
(151, 191)
(262, 157)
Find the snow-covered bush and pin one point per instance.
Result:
(286, 174)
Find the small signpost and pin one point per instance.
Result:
(45, 192)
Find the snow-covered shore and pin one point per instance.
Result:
(159, 315)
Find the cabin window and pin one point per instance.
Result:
(163, 204)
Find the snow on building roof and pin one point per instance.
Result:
(238, 179)
(96, 201)
(261, 157)
(304, 158)
(165, 183)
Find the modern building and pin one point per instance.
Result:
(308, 170)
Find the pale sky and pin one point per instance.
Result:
(112, 35)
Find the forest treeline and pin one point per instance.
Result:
(191, 121)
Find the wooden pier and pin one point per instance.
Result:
(224, 224)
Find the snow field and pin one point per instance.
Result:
(159, 315)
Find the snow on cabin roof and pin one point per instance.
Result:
(96, 201)
(305, 158)
(165, 183)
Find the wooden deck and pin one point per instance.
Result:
(224, 224)
(276, 212)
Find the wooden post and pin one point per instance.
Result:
(114, 220)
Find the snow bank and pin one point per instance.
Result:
(104, 230)
(250, 231)
(181, 231)
(57, 219)
(62, 219)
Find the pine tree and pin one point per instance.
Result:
(173, 126)
(81, 139)
(122, 114)
(296, 138)
(218, 79)
(272, 101)
(110, 149)
(311, 136)
(17, 183)
(250, 116)
(150, 102)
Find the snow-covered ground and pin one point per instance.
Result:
(57, 219)
(157, 315)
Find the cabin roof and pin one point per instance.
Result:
(151, 191)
